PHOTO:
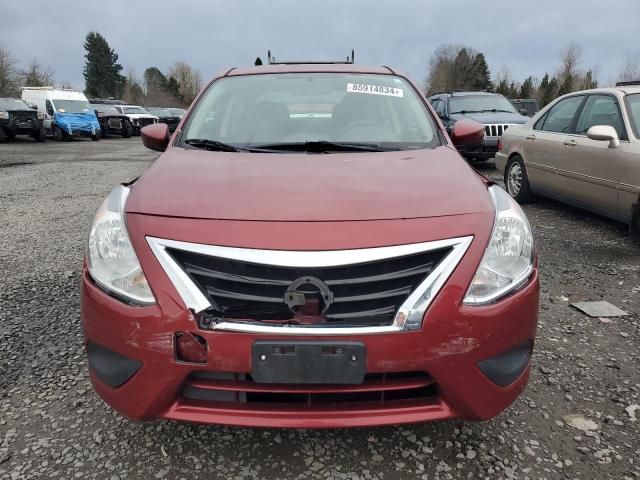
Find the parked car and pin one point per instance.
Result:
(526, 106)
(67, 113)
(178, 112)
(494, 111)
(342, 266)
(17, 118)
(582, 149)
(165, 116)
(112, 121)
(138, 116)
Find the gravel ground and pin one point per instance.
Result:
(53, 426)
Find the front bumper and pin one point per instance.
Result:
(450, 348)
(484, 151)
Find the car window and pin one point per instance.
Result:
(256, 110)
(480, 103)
(560, 117)
(633, 107)
(600, 110)
(49, 108)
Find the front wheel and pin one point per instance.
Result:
(127, 130)
(58, 134)
(96, 136)
(40, 134)
(517, 181)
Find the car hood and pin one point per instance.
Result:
(309, 187)
(493, 117)
(139, 115)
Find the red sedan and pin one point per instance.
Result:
(310, 250)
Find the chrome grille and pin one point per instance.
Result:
(496, 129)
(364, 294)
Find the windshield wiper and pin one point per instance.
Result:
(321, 146)
(216, 146)
(467, 111)
(496, 110)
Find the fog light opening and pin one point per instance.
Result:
(190, 348)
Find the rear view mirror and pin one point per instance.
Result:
(467, 132)
(156, 137)
(604, 133)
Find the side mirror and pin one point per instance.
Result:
(32, 105)
(604, 133)
(523, 111)
(467, 132)
(156, 137)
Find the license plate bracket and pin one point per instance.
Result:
(310, 362)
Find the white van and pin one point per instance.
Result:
(66, 112)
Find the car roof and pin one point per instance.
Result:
(455, 93)
(310, 68)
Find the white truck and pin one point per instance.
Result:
(138, 116)
(67, 113)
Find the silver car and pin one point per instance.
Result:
(582, 149)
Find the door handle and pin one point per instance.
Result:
(530, 137)
(571, 143)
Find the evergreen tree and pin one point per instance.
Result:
(481, 74)
(173, 88)
(102, 71)
(526, 89)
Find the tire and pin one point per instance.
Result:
(58, 134)
(40, 134)
(516, 180)
(127, 130)
(96, 136)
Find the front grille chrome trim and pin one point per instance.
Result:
(408, 317)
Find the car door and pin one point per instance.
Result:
(48, 115)
(591, 170)
(542, 145)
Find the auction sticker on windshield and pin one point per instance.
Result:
(374, 90)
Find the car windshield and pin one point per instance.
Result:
(12, 103)
(300, 108)
(72, 106)
(159, 111)
(105, 108)
(633, 105)
(480, 103)
(134, 110)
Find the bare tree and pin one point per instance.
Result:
(631, 69)
(133, 92)
(189, 80)
(8, 74)
(457, 67)
(569, 75)
(36, 75)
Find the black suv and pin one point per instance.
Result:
(18, 118)
(165, 116)
(494, 111)
(112, 121)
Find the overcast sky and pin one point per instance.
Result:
(524, 36)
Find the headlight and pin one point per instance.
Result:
(4, 114)
(112, 262)
(508, 260)
(40, 115)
